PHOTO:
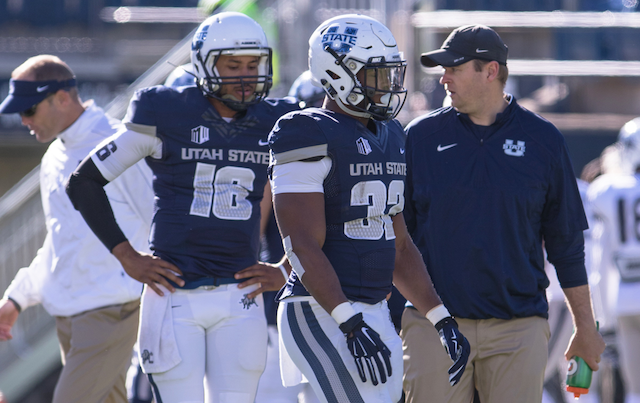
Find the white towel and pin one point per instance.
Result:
(158, 350)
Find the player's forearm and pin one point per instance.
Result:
(319, 277)
(85, 189)
(302, 224)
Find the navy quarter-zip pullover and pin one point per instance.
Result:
(471, 184)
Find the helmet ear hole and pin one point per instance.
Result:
(333, 75)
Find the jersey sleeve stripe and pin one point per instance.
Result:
(144, 129)
(300, 154)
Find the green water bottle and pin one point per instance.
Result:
(579, 375)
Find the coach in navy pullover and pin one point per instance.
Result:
(497, 191)
(487, 183)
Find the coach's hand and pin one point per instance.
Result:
(367, 348)
(456, 345)
(8, 315)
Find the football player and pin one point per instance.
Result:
(615, 199)
(207, 148)
(338, 181)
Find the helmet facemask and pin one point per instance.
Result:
(382, 88)
(212, 83)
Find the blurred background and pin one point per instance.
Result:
(575, 62)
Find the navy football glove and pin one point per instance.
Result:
(366, 347)
(456, 345)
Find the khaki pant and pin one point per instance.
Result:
(96, 352)
(506, 364)
(629, 352)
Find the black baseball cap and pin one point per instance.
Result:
(467, 43)
(24, 94)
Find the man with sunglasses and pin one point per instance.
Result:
(95, 303)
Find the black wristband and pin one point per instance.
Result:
(445, 321)
(18, 307)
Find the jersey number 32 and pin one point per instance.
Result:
(376, 196)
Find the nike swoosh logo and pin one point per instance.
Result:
(263, 143)
(442, 148)
(42, 88)
(402, 151)
(481, 50)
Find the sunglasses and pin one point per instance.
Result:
(32, 111)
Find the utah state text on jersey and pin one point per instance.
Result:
(255, 157)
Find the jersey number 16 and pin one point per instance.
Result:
(224, 193)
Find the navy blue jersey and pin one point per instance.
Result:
(480, 200)
(209, 181)
(364, 188)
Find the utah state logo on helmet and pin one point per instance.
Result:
(340, 43)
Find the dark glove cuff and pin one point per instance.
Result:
(446, 321)
(348, 326)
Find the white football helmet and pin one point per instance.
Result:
(342, 47)
(306, 92)
(231, 33)
(629, 146)
(181, 76)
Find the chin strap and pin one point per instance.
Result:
(350, 111)
(234, 104)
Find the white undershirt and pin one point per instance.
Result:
(300, 177)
